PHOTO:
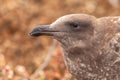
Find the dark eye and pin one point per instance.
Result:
(74, 24)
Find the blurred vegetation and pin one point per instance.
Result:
(20, 54)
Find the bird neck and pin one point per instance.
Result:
(80, 50)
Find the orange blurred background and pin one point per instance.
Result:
(23, 57)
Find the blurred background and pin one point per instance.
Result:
(23, 57)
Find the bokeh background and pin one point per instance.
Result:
(23, 57)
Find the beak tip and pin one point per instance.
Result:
(34, 34)
(40, 30)
(30, 33)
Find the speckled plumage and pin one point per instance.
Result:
(91, 46)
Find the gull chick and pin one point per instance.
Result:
(91, 46)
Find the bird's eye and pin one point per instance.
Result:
(73, 24)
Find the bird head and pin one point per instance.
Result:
(69, 29)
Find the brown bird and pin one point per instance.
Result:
(91, 46)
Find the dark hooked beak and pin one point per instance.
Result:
(42, 30)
